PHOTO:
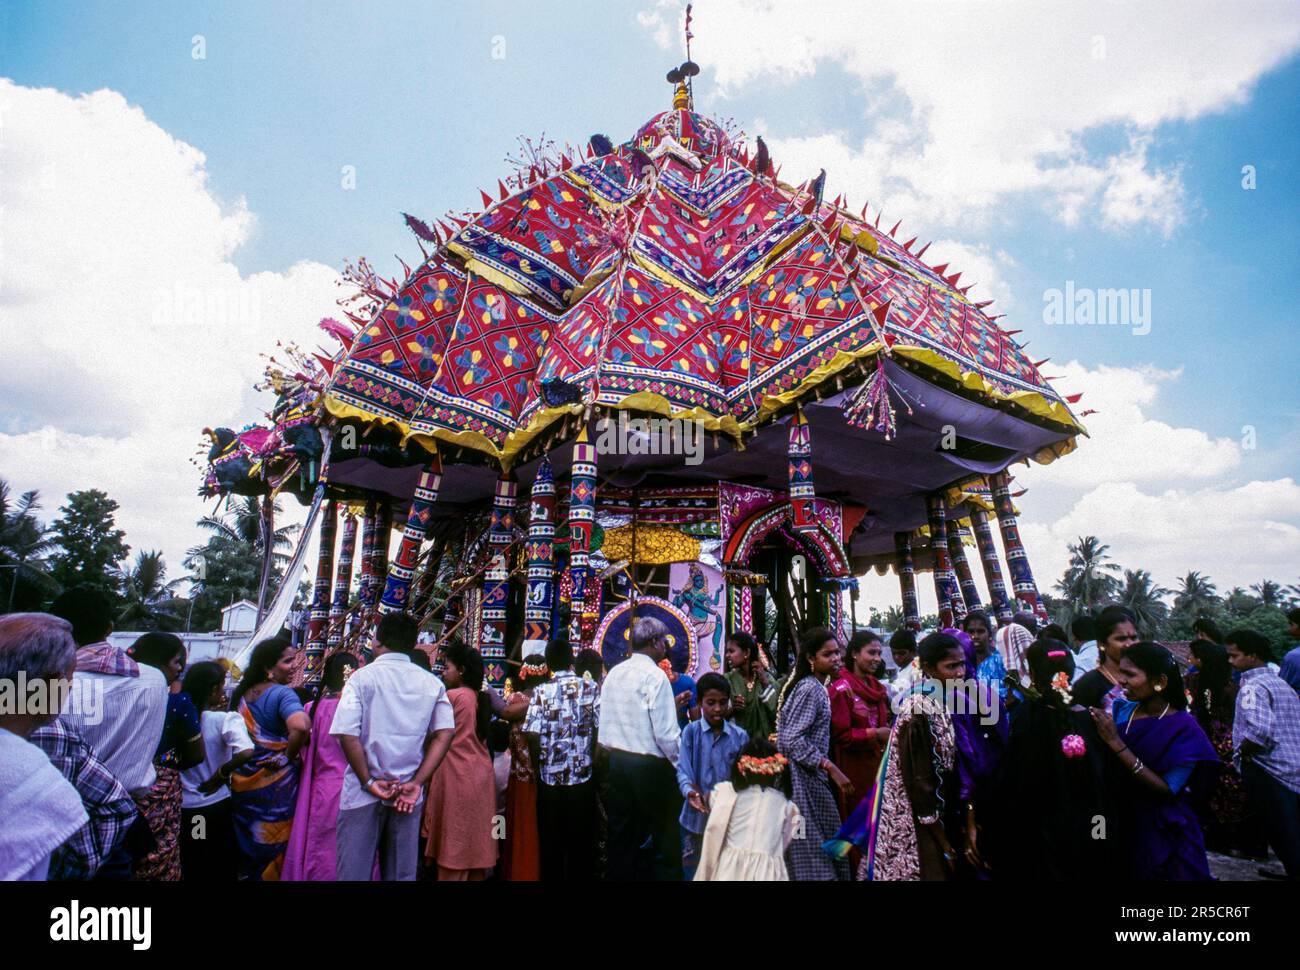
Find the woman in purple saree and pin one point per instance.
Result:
(310, 855)
(1169, 761)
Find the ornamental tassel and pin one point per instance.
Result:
(541, 560)
(342, 581)
(496, 584)
(871, 407)
(398, 585)
(582, 513)
(802, 493)
(320, 601)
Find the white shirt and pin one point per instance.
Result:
(637, 713)
(40, 808)
(224, 735)
(121, 719)
(392, 706)
(1085, 659)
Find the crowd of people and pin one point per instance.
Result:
(978, 752)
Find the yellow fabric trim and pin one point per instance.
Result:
(490, 273)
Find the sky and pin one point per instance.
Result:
(180, 185)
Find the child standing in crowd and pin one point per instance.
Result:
(208, 848)
(753, 689)
(752, 819)
(708, 749)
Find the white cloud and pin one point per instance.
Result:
(971, 103)
(126, 327)
(1235, 535)
(1126, 444)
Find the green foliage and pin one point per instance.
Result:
(150, 601)
(228, 567)
(90, 546)
(25, 545)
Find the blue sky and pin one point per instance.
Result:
(410, 94)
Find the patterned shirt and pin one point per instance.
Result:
(563, 713)
(109, 805)
(1268, 713)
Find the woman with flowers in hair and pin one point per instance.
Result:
(752, 819)
(1169, 763)
(1052, 789)
(310, 855)
(521, 855)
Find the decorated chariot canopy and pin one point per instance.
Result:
(676, 275)
(851, 407)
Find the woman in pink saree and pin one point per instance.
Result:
(309, 856)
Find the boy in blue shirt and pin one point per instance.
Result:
(709, 747)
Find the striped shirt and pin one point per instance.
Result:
(121, 718)
(637, 713)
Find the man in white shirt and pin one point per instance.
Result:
(387, 712)
(40, 809)
(638, 725)
(117, 705)
(1082, 632)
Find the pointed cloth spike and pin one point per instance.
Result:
(487, 199)
(878, 215)
(895, 229)
(952, 280)
(1040, 363)
(505, 193)
(981, 305)
(965, 289)
(802, 493)
(325, 362)
(881, 313)
(1073, 398)
(907, 246)
(922, 250)
(1009, 333)
(939, 270)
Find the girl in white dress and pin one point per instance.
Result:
(751, 820)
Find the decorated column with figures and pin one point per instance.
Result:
(379, 549)
(961, 567)
(945, 584)
(318, 618)
(582, 515)
(496, 584)
(541, 559)
(1022, 577)
(1000, 603)
(397, 588)
(342, 581)
(365, 578)
(906, 570)
(802, 493)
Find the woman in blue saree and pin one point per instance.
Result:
(264, 790)
(1169, 762)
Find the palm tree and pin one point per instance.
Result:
(151, 601)
(1197, 597)
(1089, 581)
(24, 542)
(1269, 593)
(1144, 600)
(1293, 594)
(243, 525)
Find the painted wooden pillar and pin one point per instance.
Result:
(906, 570)
(582, 516)
(945, 584)
(318, 619)
(1022, 577)
(1000, 603)
(496, 584)
(961, 567)
(541, 560)
(397, 587)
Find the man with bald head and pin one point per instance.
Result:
(638, 725)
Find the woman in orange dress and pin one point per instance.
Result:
(460, 811)
(521, 856)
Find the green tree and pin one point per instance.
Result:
(228, 567)
(150, 600)
(1144, 600)
(25, 544)
(1269, 593)
(90, 545)
(1090, 580)
(1196, 596)
(1237, 604)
